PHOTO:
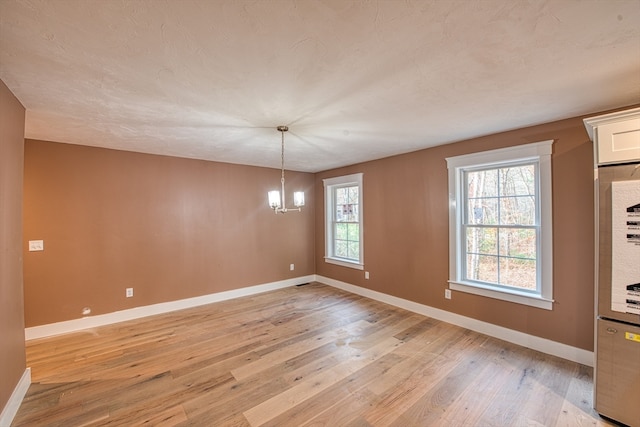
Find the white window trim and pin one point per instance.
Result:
(329, 183)
(539, 152)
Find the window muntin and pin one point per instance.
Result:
(500, 224)
(343, 221)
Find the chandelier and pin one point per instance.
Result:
(276, 202)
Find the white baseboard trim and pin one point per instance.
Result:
(520, 338)
(11, 408)
(150, 310)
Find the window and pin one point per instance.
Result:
(500, 224)
(343, 221)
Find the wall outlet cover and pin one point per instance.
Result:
(36, 245)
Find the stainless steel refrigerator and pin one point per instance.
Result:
(617, 364)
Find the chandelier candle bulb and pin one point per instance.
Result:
(298, 199)
(274, 199)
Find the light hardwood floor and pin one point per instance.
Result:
(301, 356)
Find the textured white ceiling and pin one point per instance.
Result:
(354, 80)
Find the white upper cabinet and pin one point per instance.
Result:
(616, 135)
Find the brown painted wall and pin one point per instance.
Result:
(12, 349)
(170, 228)
(406, 233)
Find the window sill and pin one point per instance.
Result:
(344, 263)
(511, 296)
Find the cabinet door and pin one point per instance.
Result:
(617, 379)
(619, 142)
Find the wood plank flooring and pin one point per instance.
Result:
(301, 356)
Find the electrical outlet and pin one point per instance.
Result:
(366, 275)
(447, 293)
(36, 245)
(129, 292)
(292, 267)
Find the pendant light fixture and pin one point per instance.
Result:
(277, 199)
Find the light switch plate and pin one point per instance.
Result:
(36, 245)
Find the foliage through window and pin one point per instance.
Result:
(343, 225)
(501, 226)
(500, 223)
(347, 223)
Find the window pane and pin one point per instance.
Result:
(482, 268)
(341, 248)
(341, 231)
(483, 211)
(353, 195)
(482, 183)
(347, 204)
(341, 196)
(519, 242)
(353, 204)
(355, 216)
(518, 273)
(517, 210)
(482, 240)
(517, 181)
(353, 232)
(354, 250)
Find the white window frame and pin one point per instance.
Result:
(330, 184)
(539, 153)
